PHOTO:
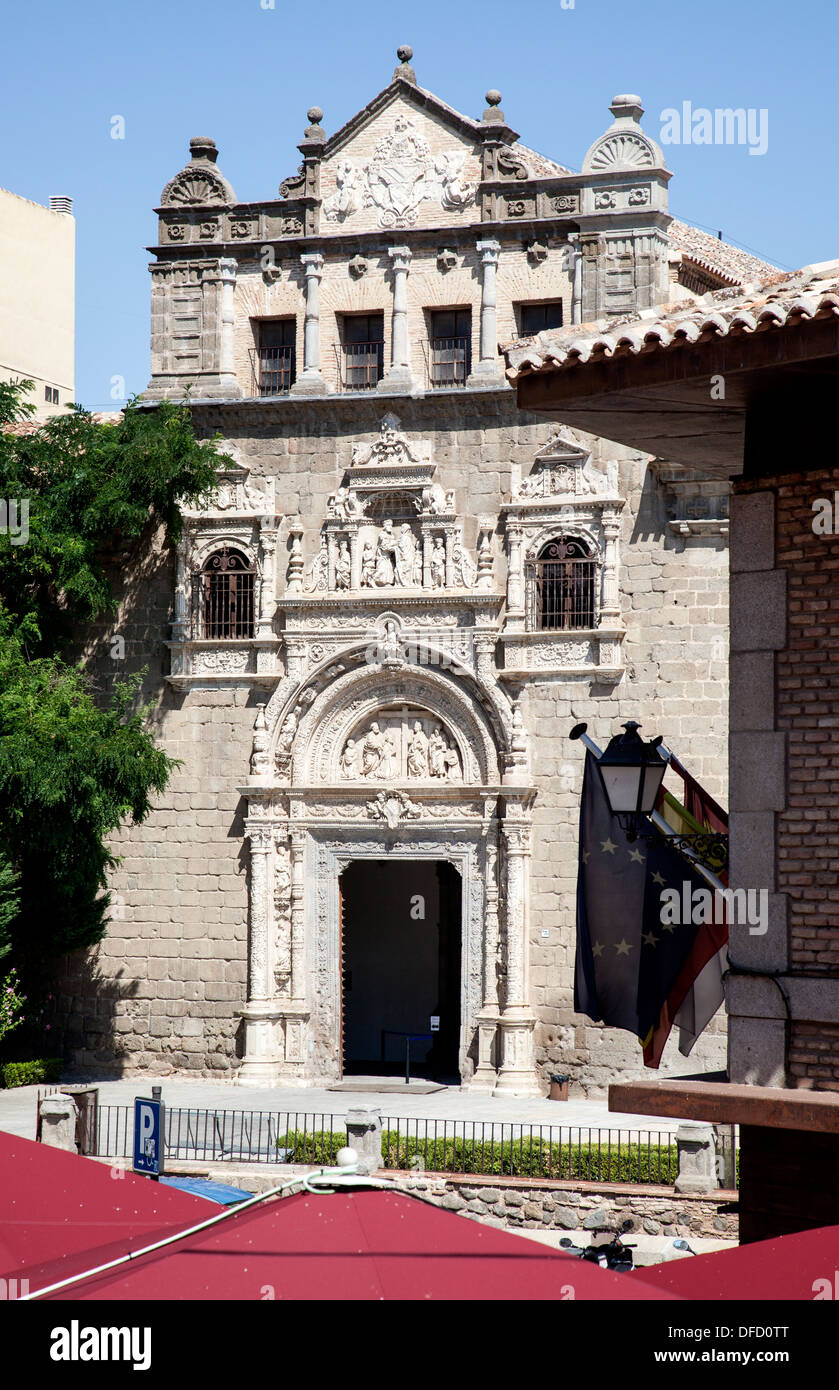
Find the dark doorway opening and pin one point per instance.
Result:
(400, 967)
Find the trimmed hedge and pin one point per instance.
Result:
(524, 1158)
(32, 1073)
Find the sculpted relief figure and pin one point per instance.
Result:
(418, 752)
(343, 566)
(368, 566)
(465, 569)
(437, 564)
(391, 752)
(385, 571)
(349, 759)
(319, 572)
(348, 193)
(435, 499)
(371, 750)
(456, 191)
(406, 548)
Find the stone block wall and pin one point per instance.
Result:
(515, 1204)
(161, 992)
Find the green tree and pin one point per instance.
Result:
(72, 769)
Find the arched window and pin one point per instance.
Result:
(224, 598)
(563, 585)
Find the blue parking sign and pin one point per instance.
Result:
(148, 1136)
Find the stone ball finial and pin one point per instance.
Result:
(493, 114)
(202, 147)
(626, 106)
(315, 115)
(405, 53)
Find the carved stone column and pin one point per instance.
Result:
(518, 1072)
(260, 1015)
(399, 377)
(294, 574)
(489, 366)
(515, 579)
(311, 381)
(298, 964)
(486, 1076)
(265, 617)
(610, 606)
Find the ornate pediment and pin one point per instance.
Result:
(238, 493)
(415, 167)
(563, 470)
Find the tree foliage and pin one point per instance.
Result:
(73, 769)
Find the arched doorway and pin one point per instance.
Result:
(401, 967)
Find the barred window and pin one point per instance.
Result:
(224, 598)
(562, 585)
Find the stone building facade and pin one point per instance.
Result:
(375, 640)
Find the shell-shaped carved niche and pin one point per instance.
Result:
(401, 745)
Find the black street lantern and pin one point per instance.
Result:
(631, 772)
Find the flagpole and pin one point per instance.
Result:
(579, 732)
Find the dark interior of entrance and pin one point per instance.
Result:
(401, 967)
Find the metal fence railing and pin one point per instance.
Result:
(240, 1136)
(487, 1148)
(531, 1151)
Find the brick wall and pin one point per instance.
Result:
(806, 713)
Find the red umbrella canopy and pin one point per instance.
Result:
(61, 1215)
(357, 1245)
(793, 1268)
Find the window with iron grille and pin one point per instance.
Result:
(223, 596)
(274, 357)
(450, 347)
(393, 506)
(562, 586)
(362, 351)
(539, 318)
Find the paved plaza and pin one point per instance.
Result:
(451, 1103)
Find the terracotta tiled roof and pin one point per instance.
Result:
(542, 167)
(774, 302)
(24, 427)
(719, 257)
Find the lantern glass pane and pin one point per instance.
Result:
(653, 777)
(621, 785)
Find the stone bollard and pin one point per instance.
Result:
(59, 1115)
(364, 1134)
(697, 1158)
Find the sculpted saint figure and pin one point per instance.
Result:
(390, 755)
(437, 753)
(465, 569)
(405, 556)
(452, 764)
(385, 573)
(319, 573)
(349, 759)
(368, 566)
(371, 750)
(343, 566)
(437, 564)
(418, 752)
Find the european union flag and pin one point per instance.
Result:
(630, 952)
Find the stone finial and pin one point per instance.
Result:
(405, 53)
(626, 107)
(315, 131)
(201, 147)
(493, 114)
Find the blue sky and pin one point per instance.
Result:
(245, 74)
